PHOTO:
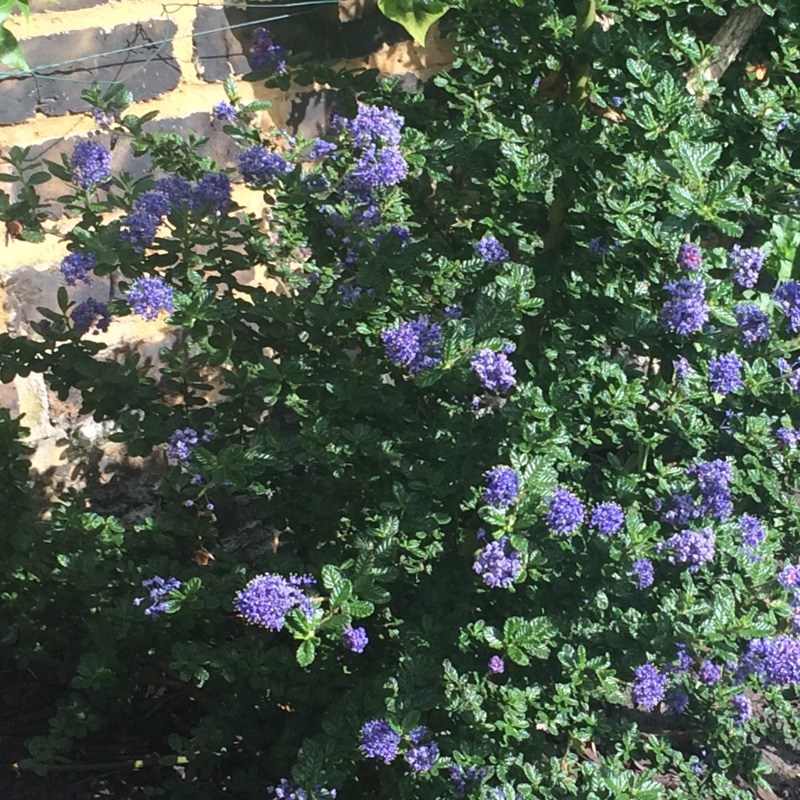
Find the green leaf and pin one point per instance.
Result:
(305, 654)
(517, 656)
(414, 18)
(10, 52)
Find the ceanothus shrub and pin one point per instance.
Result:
(498, 498)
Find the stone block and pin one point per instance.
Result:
(218, 53)
(19, 99)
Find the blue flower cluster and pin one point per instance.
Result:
(753, 533)
(321, 148)
(267, 599)
(713, 480)
(159, 590)
(212, 191)
(289, 791)
(464, 778)
(147, 297)
(502, 487)
(743, 708)
(265, 54)
(643, 571)
(89, 313)
(91, 164)
(682, 369)
(380, 740)
(414, 345)
(607, 519)
(690, 256)
(787, 298)
(565, 512)
(747, 263)
(690, 547)
(182, 442)
(259, 166)
(421, 757)
(649, 686)
(355, 639)
(709, 673)
(789, 577)
(77, 266)
(725, 373)
(498, 563)
(775, 661)
(489, 249)
(788, 437)
(753, 323)
(494, 370)
(687, 311)
(224, 111)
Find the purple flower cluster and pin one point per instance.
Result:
(183, 441)
(159, 590)
(453, 312)
(643, 571)
(258, 166)
(321, 148)
(177, 190)
(140, 227)
(498, 563)
(789, 577)
(267, 599)
(423, 757)
(753, 533)
(414, 345)
(496, 665)
(776, 661)
(787, 298)
(224, 111)
(690, 547)
(753, 323)
(103, 119)
(464, 778)
(690, 256)
(788, 437)
(713, 479)
(372, 125)
(682, 510)
(147, 297)
(687, 311)
(747, 263)
(682, 369)
(502, 487)
(649, 686)
(677, 701)
(289, 791)
(378, 168)
(709, 673)
(743, 708)
(684, 660)
(77, 266)
(91, 164)
(607, 519)
(792, 372)
(494, 370)
(565, 512)
(489, 249)
(725, 374)
(265, 54)
(212, 191)
(90, 313)
(380, 740)
(355, 639)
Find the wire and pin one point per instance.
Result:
(35, 72)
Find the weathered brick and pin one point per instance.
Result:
(148, 71)
(218, 53)
(18, 100)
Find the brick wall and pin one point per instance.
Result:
(183, 50)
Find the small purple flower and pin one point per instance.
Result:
(494, 370)
(683, 369)
(789, 577)
(213, 191)
(709, 673)
(379, 168)
(725, 374)
(77, 266)
(502, 487)
(682, 510)
(687, 311)
(792, 373)
(683, 658)
(598, 248)
(321, 148)
(380, 740)
(743, 708)
(90, 164)
(753, 533)
(414, 345)
(177, 191)
(747, 263)
(422, 758)
(607, 519)
(159, 590)
(690, 547)
(90, 313)
(753, 323)
(787, 437)
(181, 444)
(147, 297)
(453, 312)
(677, 701)
(713, 479)
(372, 125)
(265, 54)
(355, 639)
(489, 249)
(267, 599)
(649, 686)
(258, 165)
(496, 665)
(139, 230)
(224, 111)
(643, 571)
(498, 563)
(464, 778)
(787, 298)
(565, 512)
(690, 256)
